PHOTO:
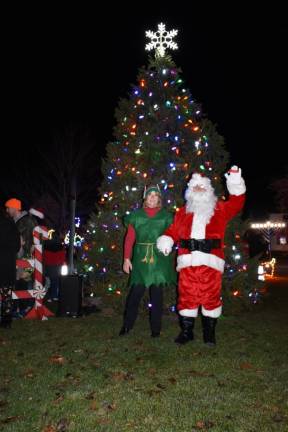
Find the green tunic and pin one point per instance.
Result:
(150, 267)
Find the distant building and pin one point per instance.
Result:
(279, 241)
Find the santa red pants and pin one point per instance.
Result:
(199, 286)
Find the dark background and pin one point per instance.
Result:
(63, 69)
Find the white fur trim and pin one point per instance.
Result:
(236, 189)
(214, 313)
(192, 313)
(37, 213)
(199, 180)
(197, 258)
(198, 227)
(164, 244)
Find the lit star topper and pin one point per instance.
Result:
(161, 40)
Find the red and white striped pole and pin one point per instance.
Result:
(39, 233)
(39, 311)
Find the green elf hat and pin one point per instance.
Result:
(151, 189)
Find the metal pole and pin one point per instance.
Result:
(72, 225)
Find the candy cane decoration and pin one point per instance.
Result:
(40, 233)
(38, 292)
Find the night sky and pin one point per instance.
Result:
(62, 69)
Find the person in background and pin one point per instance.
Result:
(9, 246)
(25, 224)
(54, 258)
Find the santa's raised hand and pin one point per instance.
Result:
(234, 181)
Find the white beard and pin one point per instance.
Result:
(202, 204)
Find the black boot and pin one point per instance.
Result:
(5, 324)
(186, 334)
(124, 331)
(209, 325)
(131, 309)
(155, 311)
(155, 334)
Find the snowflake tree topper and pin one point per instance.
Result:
(161, 40)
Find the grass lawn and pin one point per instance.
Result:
(78, 375)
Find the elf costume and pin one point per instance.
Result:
(150, 268)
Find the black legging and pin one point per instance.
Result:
(132, 305)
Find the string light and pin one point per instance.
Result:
(269, 268)
(268, 224)
(185, 137)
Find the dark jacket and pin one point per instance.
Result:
(9, 246)
(25, 225)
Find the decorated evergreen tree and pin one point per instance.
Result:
(240, 280)
(161, 137)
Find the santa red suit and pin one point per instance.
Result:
(198, 230)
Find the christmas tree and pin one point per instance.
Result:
(240, 279)
(161, 137)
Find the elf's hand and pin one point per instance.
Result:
(127, 266)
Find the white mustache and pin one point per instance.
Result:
(198, 196)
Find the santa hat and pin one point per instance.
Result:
(198, 179)
(37, 212)
(13, 203)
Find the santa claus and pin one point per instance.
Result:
(198, 229)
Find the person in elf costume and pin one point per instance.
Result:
(148, 269)
(198, 229)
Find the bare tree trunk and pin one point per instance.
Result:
(63, 204)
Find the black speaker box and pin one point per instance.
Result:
(70, 295)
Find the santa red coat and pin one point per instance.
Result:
(201, 273)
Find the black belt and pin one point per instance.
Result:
(201, 245)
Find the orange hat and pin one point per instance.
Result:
(13, 203)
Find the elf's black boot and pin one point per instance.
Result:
(209, 325)
(124, 331)
(186, 334)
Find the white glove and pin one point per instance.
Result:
(164, 244)
(234, 181)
